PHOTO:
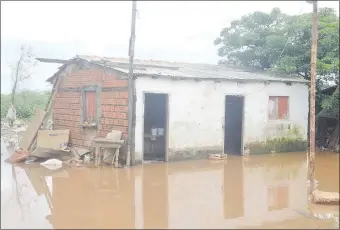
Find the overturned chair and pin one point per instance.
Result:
(111, 145)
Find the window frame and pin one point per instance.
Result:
(277, 109)
(97, 90)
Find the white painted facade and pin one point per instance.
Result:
(197, 108)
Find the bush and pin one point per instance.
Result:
(25, 103)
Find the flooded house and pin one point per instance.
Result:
(183, 110)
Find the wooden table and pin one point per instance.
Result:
(101, 142)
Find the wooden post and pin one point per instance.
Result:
(311, 152)
(130, 158)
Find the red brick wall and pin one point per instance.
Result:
(113, 98)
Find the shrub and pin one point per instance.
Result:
(25, 103)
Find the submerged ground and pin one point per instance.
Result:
(263, 191)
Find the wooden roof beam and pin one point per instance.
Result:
(56, 61)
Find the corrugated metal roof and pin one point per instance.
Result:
(185, 70)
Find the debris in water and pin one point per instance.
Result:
(87, 158)
(52, 153)
(18, 156)
(217, 156)
(320, 197)
(75, 162)
(52, 164)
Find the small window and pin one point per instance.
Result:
(278, 108)
(90, 106)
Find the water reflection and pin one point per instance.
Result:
(236, 193)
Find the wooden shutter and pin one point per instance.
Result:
(282, 108)
(272, 108)
(91, 106)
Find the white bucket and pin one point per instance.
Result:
(154, 132)
(160, 131)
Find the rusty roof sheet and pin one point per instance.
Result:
(185, 70)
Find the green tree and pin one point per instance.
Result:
(254, 41)
(296, 57)
(281, 43)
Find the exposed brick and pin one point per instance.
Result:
(103, 133)
(109, 95)
(66, 123)
(72, 100)
(67, 107)
(69, 94)
(115, 115)
(102, 120)
(57, 105)
(74, 106)
(66, 117)
(121, 115)
(108, 121)
(123, 94)
(121, 101)
(108, 108)
(118, 122)
(108, 77)
(115, 83)
(121, 109)
(67, 111)
(109, 101)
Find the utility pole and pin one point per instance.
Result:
(311, 152)
(130, 158)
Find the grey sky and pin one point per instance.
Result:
(172, 31)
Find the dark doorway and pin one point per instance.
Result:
(155, 126)
(233, 125)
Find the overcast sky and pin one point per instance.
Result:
(171, 31)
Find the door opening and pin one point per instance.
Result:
(233, 125)
(155, 127)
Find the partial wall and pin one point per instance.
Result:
(111, 109)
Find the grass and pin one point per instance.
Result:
(25, 103)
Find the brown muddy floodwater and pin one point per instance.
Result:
(263, 191)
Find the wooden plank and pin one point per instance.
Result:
(54, 139)
(91, 106)
(283, 107)
(32, 129)
(58, 61)
(272, 108)
(47, 110)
